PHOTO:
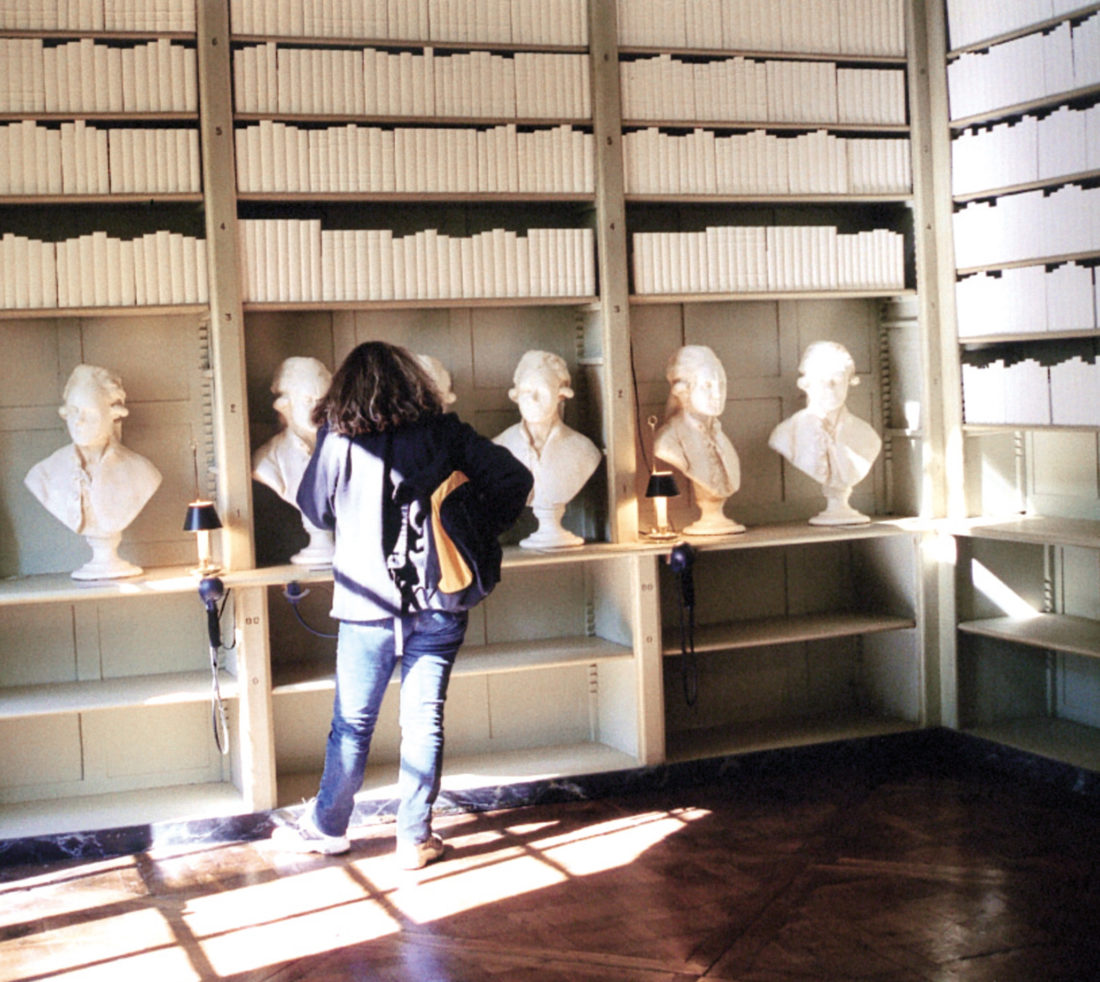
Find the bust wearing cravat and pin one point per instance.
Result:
(691, 438)
(560, 458)
(95, 486)
(825, 440)
(298, 385)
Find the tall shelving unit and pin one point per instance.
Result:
(1024, 673)
(574, 665)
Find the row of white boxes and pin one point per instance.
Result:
(702, 162)
(972, 21)
(1026, 68)
(292, 260)
(1062, 143)
(75, 158)
(98, 15)
(1028, 300)
(856, 27)
(1030, 393)
(743, 89)
(1029, 225)
(552, 22)
(773, 258)
(274, 156)
(99, 270)
(270, 78)
(86, 76)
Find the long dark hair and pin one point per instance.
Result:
(378, 387)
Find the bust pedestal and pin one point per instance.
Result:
(105, 564)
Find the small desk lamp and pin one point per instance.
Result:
(202, 519)
(661, 487)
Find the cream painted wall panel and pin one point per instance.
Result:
(530, 709)
(729, 586)
(997, 577)
(1064, 466)
(819, 578)
(134, 642)
(37, 753)
(892, 674)
(1080, 579)
(549, 602)
(151, 747)
(301, 723)
(36, 645)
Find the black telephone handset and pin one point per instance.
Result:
(681, 560)
(211, 591)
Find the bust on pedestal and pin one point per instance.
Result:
(691, 438)
(95, 485)
(299, 384)
(560, 458)
(825, 440)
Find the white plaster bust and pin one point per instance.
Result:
(691, 438)
(95, 486)
(560, 458)
(825, 440)
(442, 378)
(299, 384)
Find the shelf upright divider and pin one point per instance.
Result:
(234, 483)
(620, 424)
(941, 415)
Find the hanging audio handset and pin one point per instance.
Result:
(681, 560)
(212, 593)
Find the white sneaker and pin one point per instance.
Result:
(306, 837)
(417, 855)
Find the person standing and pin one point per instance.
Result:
(384, 444)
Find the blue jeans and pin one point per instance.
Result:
(365, 660)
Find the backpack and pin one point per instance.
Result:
(443, 557)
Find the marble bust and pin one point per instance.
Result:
(299, 384)
(825, 440)
(438, 373)
(691, 437)
(95, 486)
(560, 458)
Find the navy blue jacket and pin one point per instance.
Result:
(344, 489)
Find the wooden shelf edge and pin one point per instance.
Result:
(259, 306)
(984, 339)
(149, 806)
(464, 772)
(1036, 529)
(114, 198)
(413, 121)
(788, 629)
(57, 698)
(159, 310)
(1021, 108)
(1057, 632)
(822, 198)
(386, 197)
(878, 293)
(766, 124)
(491, 659)
(1065, 257)
(752, 737)
(1042, 25)
(1039, 184)
(1056, 739)
(883, 58)
(332, 40)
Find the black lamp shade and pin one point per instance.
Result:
(662, 484)
(202, 516)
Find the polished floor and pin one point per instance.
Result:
(835, 875)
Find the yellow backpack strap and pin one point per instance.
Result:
(454, 573)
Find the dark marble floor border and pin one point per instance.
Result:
(934, 751)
